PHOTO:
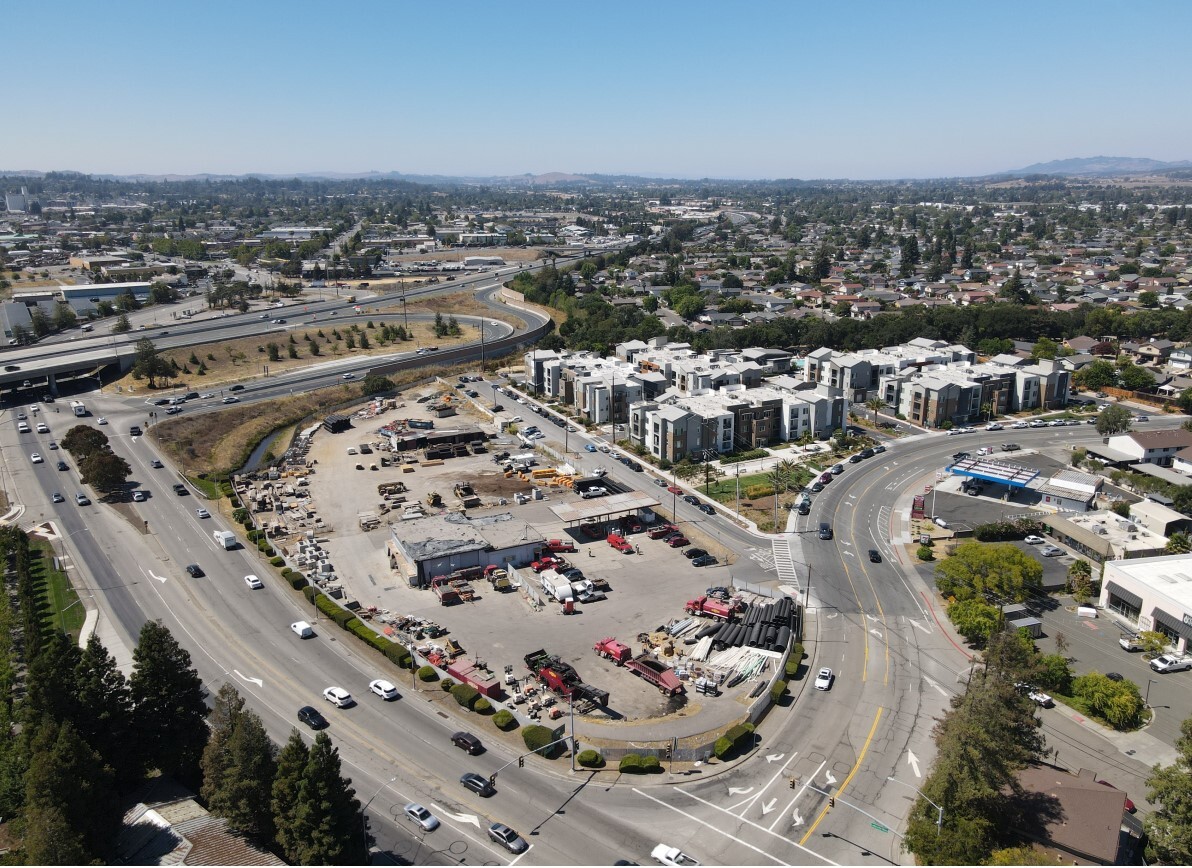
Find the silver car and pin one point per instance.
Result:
(420, 815)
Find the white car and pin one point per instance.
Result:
(1033, 540)
(102, 420)
(823, 680)
(383, 688)
(664, 855)
(36, 458)
(1051, 551)
(43, 428)
(253, 582)
(338, 697)
(594, 491)
(349, 377)
(1041, 699)
(420, 815)
(994, 426)
(1020, 425)
(231, 399)
(202, 513)
(515, 420)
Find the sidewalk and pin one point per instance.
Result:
(1139, 745)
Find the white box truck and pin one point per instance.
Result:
(225, 538)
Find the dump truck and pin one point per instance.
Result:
(658, 674)
(711, 608)
(468, 498)
(498, 578)
(610, 649)
(562, 678)
(443, 589)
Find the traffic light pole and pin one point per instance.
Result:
(520, 759)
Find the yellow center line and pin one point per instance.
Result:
(864, 632)
(857, 765)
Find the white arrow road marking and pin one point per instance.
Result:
(740, 791)
(850, 554)
(767, 807)
(459, 818)
(876, 632)
(926, 630)
(936, 686)
(914, 763)
(832, 615)
(797, 818)
(829, 777)
(257, 681)
(161, 579)
(774, 757)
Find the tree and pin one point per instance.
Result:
(122, 325)
(376, 385)
(168, 699)
(328, 811)
(1149, 298)
(147, 364)
(1099, 374)
(1169, 788)
(104, 718)
(1153, 642)
(1024, 854)
(1044, 348)
(876, 405)
(1119, 702)
(1179, 543)
(995, 573)
(64, 317)
(1136, 378)
(221, 723)
(67, 779)
(82, 441)
(1114, 419)
(284, 801)
(975, 620)
(239, 764)
(106, 471)
(51, 839)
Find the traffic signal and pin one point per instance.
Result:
(792, 783)
(831, 801)
(668, 751)
(521, 762)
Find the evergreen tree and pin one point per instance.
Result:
(221, 723)
(67, 782)
(105, 712)
(51, 683)
(328, 811)
(168, 697)
(52, 840)
(291, 763)
(1169, 828)
(248, 780)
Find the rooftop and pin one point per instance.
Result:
(453, 533)
(1170, 575)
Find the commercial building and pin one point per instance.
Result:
(1105, 536)
(1152, 594)
(434, 545)
(1070, 491)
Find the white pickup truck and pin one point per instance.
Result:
(1171, 663)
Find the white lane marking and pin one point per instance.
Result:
(913, 762)
(459, 818)
(797, 818)
(791, 804)
(740, 791)
(154, 575)
(926, 630)
(941, 690)
(829, 777)
(767, 807)
(774, 757)
(257, 681)
(720, 831)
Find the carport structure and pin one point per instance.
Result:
(602, 509)
(996, 472)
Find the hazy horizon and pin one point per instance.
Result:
(871, 91)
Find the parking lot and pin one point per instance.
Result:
(648, 587)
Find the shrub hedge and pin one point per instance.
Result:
(482, 706)
(277, 562)
(537, 737)
(722, 748)
(777, 690)
(465, 695)
(590, 759)
(427, 673)
(446, 684)
(504, 721)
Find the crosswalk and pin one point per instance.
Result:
(784, 560)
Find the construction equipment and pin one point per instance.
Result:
(498, 578)
(562, 678)
(610, 649)
(658, 674)
(468, 498)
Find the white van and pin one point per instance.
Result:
(303, 629)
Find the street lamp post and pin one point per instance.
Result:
(1146, 702)
(939, 820)
(364, 810)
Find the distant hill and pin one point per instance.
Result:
(1101, 166)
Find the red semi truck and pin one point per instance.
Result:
(711, 608)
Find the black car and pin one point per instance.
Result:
(236, 388)
(195, 570)
(694, 553)
(703, 561)
(156, 464)
(855, 459)
(311, 717)
(691, 498)
(707, 509)
(959, 456)
(817, 486)
(804, 508)
(161, 402)
(478, 784)
(179, 489)
(134, 430)
(875, 556)
(633, 465)
(866, 453)
(718, 592)
(62, 465)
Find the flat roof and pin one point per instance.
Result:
(453, 533)
(601, 507)
(1169, 575)
(990, 470)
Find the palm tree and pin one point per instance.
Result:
(876, 405)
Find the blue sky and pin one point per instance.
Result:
(691, 89)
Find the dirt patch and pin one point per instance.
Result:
(495, 484)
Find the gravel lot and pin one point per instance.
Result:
(647, 589)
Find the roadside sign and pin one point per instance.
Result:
(880, 827)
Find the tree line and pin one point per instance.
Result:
(78, 738)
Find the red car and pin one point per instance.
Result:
(677, 542)
(825, 478)
(674, 489)
(548, 563)
(560, 545)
